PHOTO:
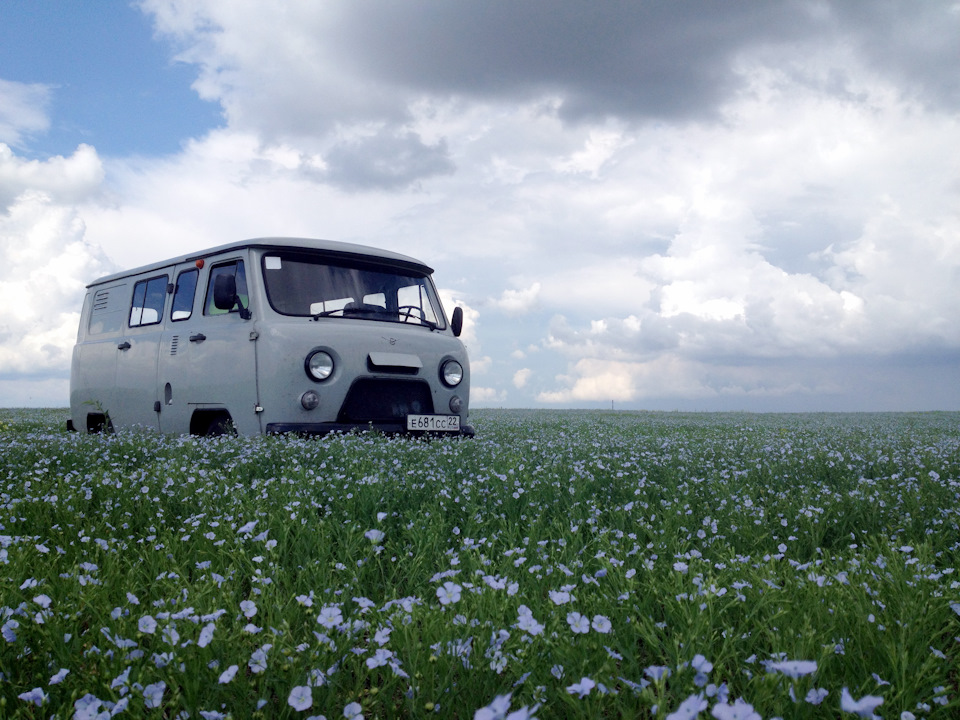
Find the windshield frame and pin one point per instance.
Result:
(392, 276)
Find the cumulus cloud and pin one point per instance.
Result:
(46, 266)
(521, 377)
(517, 302)
(480, 395)
(63, 179)
(645, 199)
(47, 263)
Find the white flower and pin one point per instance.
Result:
(582, 688)
(448, 593)
(815, 696)
(578, 623)
(374, 535)
(153, 694)
(248, 527)
(249, 608)
(147, 625)
(353, 711)
(601, 624)
(559, 598)
(227, 675)
(863, 707)
(527, 622)
(680, 567)
(301, 697)
(330, 617)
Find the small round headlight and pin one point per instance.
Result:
(451, 372)
(310, 400)
(319, 365)
(456, 404)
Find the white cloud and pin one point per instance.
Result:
(46, 266)
(521, 377)
(23, 110)
(802, 210)
(518, 302)
(64, 179)
(480, 365)
(480, 396)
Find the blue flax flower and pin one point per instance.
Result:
(863, 707)
(582, 688)
(301, 697)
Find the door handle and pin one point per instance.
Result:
(198, 338)
(123, 346)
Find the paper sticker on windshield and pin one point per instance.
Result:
(271, 262)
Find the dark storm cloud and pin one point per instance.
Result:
(385, 161)
(659, 60)
(637, 59)
(916, 43)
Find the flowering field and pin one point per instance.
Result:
(561, 564)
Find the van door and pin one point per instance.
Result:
(93, 391)
(209, 362)
(174, 362)
(136, 383)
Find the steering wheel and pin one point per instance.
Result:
(411, 312)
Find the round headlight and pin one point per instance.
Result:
(451, 372)
(319, 365)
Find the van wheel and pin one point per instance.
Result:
(99, 423)
(212, 423)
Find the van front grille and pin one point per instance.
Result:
(384, 400)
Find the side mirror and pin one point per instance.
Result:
(225, 292)
(456, 322)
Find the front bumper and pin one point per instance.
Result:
(384, 427)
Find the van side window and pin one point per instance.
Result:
(107, 310)
(183, 296)
(235, 269)
(148, 298)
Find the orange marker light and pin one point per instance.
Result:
(200, 263)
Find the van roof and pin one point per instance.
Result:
(332, 248)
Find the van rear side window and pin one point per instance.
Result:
(148, 299)
(183, 296)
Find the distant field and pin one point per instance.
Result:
(585, 564)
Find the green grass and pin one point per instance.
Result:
(739, 540)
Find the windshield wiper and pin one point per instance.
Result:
(349, 312)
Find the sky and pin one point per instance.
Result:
(639, 205)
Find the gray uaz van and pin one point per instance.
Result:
(271, 335)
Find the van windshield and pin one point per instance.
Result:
(306, 285)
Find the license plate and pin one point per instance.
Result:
(434, 423)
